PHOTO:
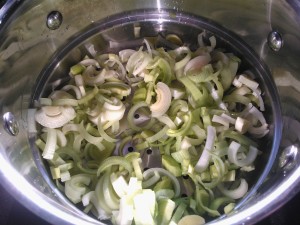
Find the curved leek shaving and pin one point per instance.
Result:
(193, 106)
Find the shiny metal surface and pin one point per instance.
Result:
(27, 46)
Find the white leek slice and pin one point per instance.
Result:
(181, 51)
(233, 155)
(125, 214)
(144, 207)
(237, 193)
(55, 116)
(89, 62)
(248, 82)
(74, 88)
(50, 146)
(163, 100)
(204, 159)
(220, 120)
(75, 188)
(86, 198)
(164, 172)
(119, 184)
(165, 211)
(80, 84)
(111, 198)
(242, 125)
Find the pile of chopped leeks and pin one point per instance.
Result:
(204, 118)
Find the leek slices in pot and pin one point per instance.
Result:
(192, 109)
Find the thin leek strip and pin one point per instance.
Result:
(86, 170)
(184, 128)
(180, 51)
(237, 193)
(73, 88)
(216, 203)
(164, 172)
(165, 68)
(98, 201)
(178, 105)
(65, 102)
(242, 139)
(120, 65)
(117, 88)
(149, 93)
(201, 196)
(89, 96)
(237, 98)
(233, 155)
(88, 137)
(125, 214)
(158, 135)
(204, 159)
(119, 184)
(61, 138)
(50, 144)
(114, 160)
(152, 180)
(165, 209)
(77, 186)
(191, 88)
(178, 214)
(45, 101)
(164, 193)
(69, 152)
(181, 155)
(111, 199)
(77, 142)
(86, 198)
(104, 134)
(136, 163)
(130, 117)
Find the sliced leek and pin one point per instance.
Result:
(100, 129)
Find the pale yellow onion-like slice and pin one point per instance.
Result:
(191, 220)
(197, 63)
(90, 62)
(125, 54)
(163, 100)
(55, 116)
(113, 112)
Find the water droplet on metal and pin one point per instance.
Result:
(10, 124)
(288, 157)
(54, 20)
(275, 40)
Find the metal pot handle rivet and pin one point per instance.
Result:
(288, 157)
(10, 124)
(54, 20)
(275, 40)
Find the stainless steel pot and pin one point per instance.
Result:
(39, 37)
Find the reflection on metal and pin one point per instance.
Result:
(288, 158)
(54, 20)
(275, 41)
(10, 124)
